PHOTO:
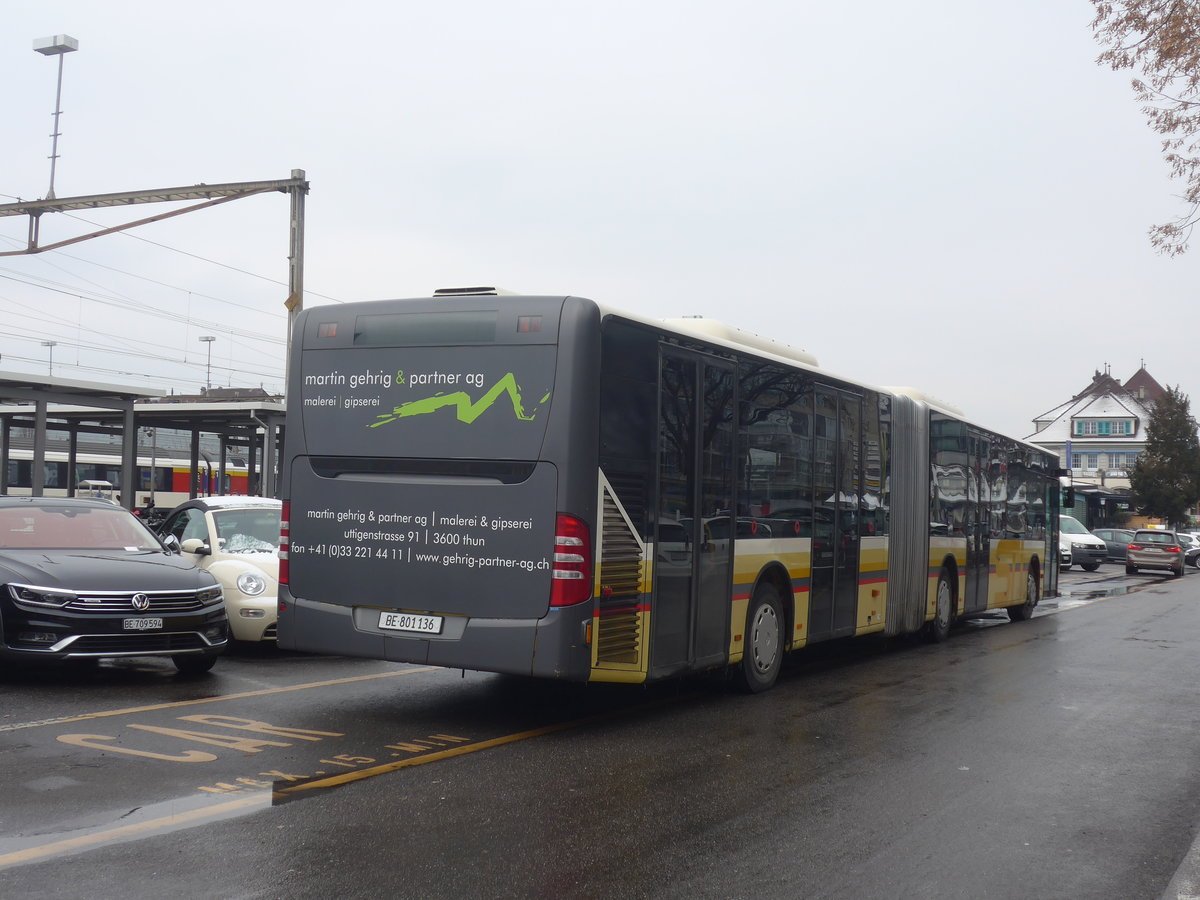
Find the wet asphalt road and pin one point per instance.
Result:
(1052, 758)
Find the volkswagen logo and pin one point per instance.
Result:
(141, 602)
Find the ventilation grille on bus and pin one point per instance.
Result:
(631, 488)
(617, 634)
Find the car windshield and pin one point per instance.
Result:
(1072, 526)
(248, 530)
(52, 527)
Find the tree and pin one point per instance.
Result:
(1166, 477)
(1161, 40)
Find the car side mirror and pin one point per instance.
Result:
(170, 542)
(197, 546)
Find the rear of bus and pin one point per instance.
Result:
(439, 482)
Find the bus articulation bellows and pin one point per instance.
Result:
(545, 486)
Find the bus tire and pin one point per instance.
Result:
(938, 629)
(1024, 611)
(762, 656)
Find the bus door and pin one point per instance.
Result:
(978, 525)
(837, 475)
(694, 536)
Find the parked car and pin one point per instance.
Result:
(236, 539)
(84, 579)
(1116, 540)
(1085, 549)
(1154, 549)
(1191, 547)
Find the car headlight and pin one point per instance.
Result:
(39, 596)
(251, 584)
(211, 595)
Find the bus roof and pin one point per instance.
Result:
(714, 331)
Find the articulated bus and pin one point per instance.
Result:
(546, 486)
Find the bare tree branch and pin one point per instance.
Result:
(1161, 40)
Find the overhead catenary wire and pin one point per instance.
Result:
(136, 306)
(242, 343)
(36, 337)
(196, 256)
(141, 376)
(114, 296)
(138, 237)
(122, 346)
(174, 287)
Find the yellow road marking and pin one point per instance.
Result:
(359, 774)
(263, 798)
(84, 717)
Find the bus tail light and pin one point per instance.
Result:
(284, 541)
(572, 570)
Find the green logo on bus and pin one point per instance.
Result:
(466, 409)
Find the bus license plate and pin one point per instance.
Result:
(143, 624)
(409, 622)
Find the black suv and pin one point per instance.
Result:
(86, 579)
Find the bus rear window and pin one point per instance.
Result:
(423, 329)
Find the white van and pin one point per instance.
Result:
(1078, 545)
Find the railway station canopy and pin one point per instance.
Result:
(247, 422)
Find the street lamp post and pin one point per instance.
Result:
(208, 339)
(59, 45)
(51, 345)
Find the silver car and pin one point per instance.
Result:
(1153, 549)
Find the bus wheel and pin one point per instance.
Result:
(763, 653)
(1025, 610)
(939, 629)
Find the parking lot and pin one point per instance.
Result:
(267, 775)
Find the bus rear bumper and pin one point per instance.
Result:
(488, 645)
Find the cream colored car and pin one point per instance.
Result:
(237, 540)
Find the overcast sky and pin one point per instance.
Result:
(944, 194)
